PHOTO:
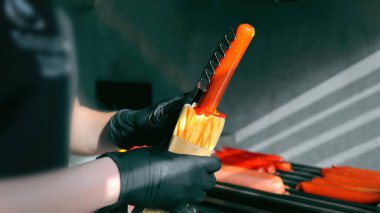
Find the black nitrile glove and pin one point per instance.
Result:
(149, 126)
(159, 179)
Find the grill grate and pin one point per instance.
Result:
(231, 198)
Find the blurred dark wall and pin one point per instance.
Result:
(298, 45)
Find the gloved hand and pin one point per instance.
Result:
(149, 126)
(159, 179)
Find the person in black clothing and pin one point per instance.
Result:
(36, 104)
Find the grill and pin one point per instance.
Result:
(231, 198)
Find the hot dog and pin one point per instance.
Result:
(253, 160)
(228, 151)
(352, 180)
(339, 193)
(339, 184)
(250, 179)
(223, 73)
(283, 166)
(358, 170)
(352, 172)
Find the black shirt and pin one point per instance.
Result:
(35, 88)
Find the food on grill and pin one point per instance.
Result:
(352, 180)
(250, 179)
(358, 170)
(352, 172)
(250, 163)
(252, 160)
(339, 193)
(283, 166)
(227, 151)
(345, 185)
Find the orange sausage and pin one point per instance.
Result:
(353, 172)
(252, 160)
(358, 170)
(352, 180)
(225, 70)
(283, 166)
(339, 193)
(227, 151)
(339, 184)
(324, 171)
(250, 179)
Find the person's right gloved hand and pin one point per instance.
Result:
(158, 179)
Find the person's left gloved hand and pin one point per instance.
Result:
(150, 126)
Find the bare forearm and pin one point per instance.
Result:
(83, 188)
(88, 136)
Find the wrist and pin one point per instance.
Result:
(115, 158)
(111, 178)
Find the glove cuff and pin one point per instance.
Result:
(123, 197)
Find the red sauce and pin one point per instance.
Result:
(216, 113)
